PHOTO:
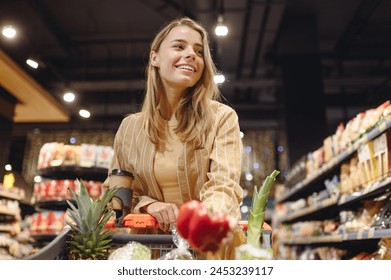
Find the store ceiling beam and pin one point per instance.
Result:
(243, 40)
(52, 25)
(359, 21)
(120, 85)
(35, 104)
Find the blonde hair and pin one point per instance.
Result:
(193, 112)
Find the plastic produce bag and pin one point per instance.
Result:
(131, 251)
(181, 252)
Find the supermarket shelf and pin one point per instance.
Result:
(374, 189)
(313, 239)
(56, 205)
(9, 227)
(6, 212)
(367, 234)
(336, 238)
(320, 205)
(11, 195)
(74, 172)
(334, 162)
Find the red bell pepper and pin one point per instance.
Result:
(203, 228)
(184, 217)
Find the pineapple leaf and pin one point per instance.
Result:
(89, 239)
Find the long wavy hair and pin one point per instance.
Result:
(193, 112)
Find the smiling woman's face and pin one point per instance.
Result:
(180, 58)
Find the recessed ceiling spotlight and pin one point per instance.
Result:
(8, 167)
(32, 63)
(69, 97)
(8, 31)
(84, 113)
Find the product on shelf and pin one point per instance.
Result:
(86, 155)
(47, 222)
(59, 189)
(354, 206)
(382, 153)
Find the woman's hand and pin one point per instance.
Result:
(164, 213)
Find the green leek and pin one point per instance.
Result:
(258, 208)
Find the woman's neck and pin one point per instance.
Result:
(169, 104)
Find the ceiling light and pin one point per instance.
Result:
(244, 209)
(219, 78)
(8, 167)
(69, 97)
(84, 113)
(37, 179)
(9, 32)
(32, 63)
(221, 29)
(249, 176)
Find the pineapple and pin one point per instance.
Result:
(88, 239)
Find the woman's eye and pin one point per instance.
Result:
(200, 52)
(178, 47)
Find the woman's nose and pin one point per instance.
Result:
(190, 53)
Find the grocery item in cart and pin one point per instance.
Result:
(131, 251)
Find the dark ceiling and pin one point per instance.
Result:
(99, 49)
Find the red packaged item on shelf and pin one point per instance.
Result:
(56, 221)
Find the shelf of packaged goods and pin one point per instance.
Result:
(74, 172)
(6, 212)
(318, 206)
(341, 237)
(304, 240)
(367, 234)
(372, 190)
(11, 195)
(336, 161)
(10, 227)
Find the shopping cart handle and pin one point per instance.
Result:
(148, 221)
(139, 221)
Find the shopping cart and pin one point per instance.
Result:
(160, 244)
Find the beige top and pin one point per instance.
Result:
(210, 174)
(165, 164)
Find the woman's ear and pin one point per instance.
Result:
(154, 58)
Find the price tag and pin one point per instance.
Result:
(364, 153)
(380, 144)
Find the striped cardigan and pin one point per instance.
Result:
(210, 174)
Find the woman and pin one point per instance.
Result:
(183, 145)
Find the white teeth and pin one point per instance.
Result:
(186, 67)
